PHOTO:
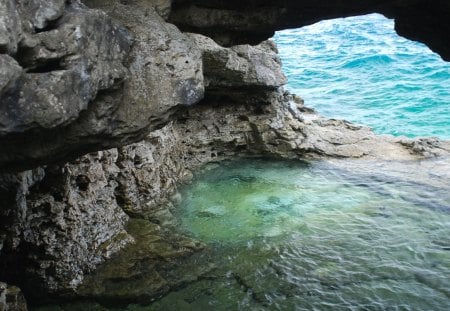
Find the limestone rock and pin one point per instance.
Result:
(426, 146)
(240, 67)
(11, 71)
(74, 80)
(60, 223)
(162, 7)
(43, 12)
(10, 27)
(236, 22)
(11, 298)
(89, 83)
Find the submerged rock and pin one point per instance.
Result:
(141, 272)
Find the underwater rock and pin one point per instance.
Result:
(142, 271)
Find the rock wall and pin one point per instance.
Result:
(76, 80)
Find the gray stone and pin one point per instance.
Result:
(42, 12)
(90, 83)
(65, 72)
(59, 223)
(9, 27)
(235, 22)
(242, 66)
(10, 73)
(85, 80)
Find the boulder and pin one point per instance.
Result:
(82, 81)
(10, 27)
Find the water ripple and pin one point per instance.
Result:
(359, 69)
(335, 235)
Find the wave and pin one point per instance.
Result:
(360, 65)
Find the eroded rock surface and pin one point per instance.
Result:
(75, 79)
(81, 80)
(58, 223)
(235, 22)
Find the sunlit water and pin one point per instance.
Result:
(319, 236)
(360, 70)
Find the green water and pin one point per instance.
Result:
(281, 235)
(297, 236)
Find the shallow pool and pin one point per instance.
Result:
(317, 236)
(289, 235)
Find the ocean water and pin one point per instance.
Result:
(360, 70)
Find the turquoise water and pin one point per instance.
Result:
(290, 235)
(359, 69)
(317, 236)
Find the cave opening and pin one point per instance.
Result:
(258, 233)
(359, 69)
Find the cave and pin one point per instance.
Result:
(98, 147)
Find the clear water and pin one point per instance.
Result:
(360, 70)
(282, 235)
(341, 235)
(318, 236)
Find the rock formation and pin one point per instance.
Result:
(76, 80)
(81, 84)
(234, 22)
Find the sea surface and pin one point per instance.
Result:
(360, 70)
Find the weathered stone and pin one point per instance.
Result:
(90, 84)
(11, 298)
(242, 66)
(59, 228)
(42, 12)
(10, 73)
(141, 272)
(91, 81)
(9, 27)
(162, 7)
(236, 22)
(165, 72)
